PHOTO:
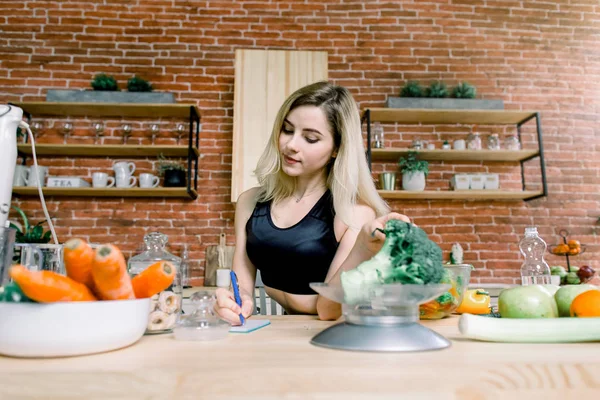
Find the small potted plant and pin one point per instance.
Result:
(173, 172)
(413, 171)
(33, 247)
(137, 84)
(103, 82)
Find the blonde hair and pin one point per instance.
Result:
(348, 177)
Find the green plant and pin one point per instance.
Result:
(437, 90)
(137, 84)
(165, 165)
(105, 83)
(411, 163)
(412, 89)
(464, 91)
(28, 233)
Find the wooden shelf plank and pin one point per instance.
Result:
(107, 192)
(449, 117)
(458, 195)
(135, 110)
(92, 150)
(393, 154)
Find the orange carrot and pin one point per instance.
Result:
(111, 280)
(48, 286)
(78, 256)
(153, 279)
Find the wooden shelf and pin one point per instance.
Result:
(450, 117)
(458, 195)
(92, 150)
(136, 110)
(109, 192)
(393, 154)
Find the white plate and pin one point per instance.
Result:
(70, 328)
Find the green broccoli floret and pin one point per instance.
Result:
(407, 257)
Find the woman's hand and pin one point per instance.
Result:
(371, 238)
(229, 310)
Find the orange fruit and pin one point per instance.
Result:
(561, 249)
(573, 251)
(573, 243)
(587, 304)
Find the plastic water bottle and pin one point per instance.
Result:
(534, 270)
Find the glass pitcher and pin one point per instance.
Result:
(166, 305)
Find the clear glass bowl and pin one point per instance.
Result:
(457, 275)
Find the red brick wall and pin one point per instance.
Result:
(534, 55)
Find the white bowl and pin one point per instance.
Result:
(70, 328)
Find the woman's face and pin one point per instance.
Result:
(306, 142)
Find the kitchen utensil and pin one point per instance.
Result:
(220, 256)
(70, 328)
(387, 322)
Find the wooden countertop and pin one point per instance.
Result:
(279, 362)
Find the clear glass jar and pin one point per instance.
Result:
(166, 305)
(512, 143)
(474, 141)
(378, 136)
(493, 142)
(203, 323)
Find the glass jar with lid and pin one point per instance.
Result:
(493, 142)
(166, 305)
(474, 141)
(512, 143)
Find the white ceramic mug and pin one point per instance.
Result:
(102, 180)
(36, 174)
(125, 181)
(124, 167)
(459, 144)
(21, 175)
(149, 181)
(223, 277)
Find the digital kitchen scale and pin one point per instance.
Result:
(387, 322)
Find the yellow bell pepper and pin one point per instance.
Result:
(475, 301)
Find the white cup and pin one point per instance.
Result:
(223, 277)
(124, 167)
(21, 175)
(125, 181)
(430, 146)
(35, 175)
(102, 180)
(459, 144)
(149, 181)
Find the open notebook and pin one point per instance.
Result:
(250, 325)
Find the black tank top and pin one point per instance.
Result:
(290, 258)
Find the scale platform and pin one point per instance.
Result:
(387, 322)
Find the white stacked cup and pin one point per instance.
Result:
(124, 174)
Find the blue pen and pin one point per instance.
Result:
(236, 294)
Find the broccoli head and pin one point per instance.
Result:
(407, 256)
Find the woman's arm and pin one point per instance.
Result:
(358, 246)
(242, 266)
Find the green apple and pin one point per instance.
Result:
(566, 294)
(532, 301)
